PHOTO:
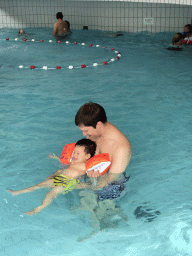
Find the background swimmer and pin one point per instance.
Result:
(21, 31)
(64, 180)
(177, 39)
(187, 30)
(114, 35)
(61, 27)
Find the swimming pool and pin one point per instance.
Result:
(146, 94)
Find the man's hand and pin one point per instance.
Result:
(93, 174)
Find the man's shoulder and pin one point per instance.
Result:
(117, 138)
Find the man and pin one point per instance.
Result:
(92, 121)
(61, 27)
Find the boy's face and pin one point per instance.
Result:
(79, 155)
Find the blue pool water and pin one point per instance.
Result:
(146, 94)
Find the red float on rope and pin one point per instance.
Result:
(105, 62)
(83, 66)
(90, 45)
(32, 67)
(7, 39)
(118, 57)
(58, 67)
(24, 39)
(75, 42)
(58, 41)
(41, 40)
(112, 49)
(118, 53)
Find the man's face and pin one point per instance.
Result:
(90, 132)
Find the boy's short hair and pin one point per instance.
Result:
(90, 146)
(90, 114)
(59, 15)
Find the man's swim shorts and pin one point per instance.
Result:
(68, 183)
(113, 190)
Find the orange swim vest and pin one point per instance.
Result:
(99, 162)
(66, 154)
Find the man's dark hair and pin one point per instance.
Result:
(90, 146)
(59, 15)
(90, 114)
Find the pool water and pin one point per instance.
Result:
(146, 94)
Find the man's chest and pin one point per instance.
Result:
(104, 147)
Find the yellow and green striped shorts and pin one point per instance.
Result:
(68, 183)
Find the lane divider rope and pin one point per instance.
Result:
(118, 55)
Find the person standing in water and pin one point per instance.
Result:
(61, 27)
(91, 119)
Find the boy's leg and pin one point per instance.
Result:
(47, 201)
(47, 183)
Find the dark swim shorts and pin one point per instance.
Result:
(113, 190)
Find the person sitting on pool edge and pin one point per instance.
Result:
(61, 27)
(64, 180)
(91, 119)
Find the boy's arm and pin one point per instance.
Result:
(119, 163)
(54, 156)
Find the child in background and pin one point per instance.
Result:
(177, 39)
(187, 30)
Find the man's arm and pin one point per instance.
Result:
(119, 163)
(121, 158)
(55, 30)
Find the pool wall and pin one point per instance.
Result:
(105, 15)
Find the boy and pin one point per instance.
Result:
(64, 180)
